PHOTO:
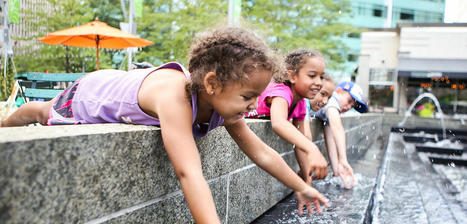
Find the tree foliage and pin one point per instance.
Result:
(171, 25)
(287, 24)
(292, 24)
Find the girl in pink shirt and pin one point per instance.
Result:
(283, 102)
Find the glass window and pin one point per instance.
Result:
(352, 57)
(377, 13)
(353, 35)
(382, 75)
(381, 96)
(407, 14)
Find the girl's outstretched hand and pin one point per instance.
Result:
(310, 195)
(345, 171)
(318, 164)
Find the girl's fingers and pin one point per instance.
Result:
(321, 199)
(310, 209)
(325, 172)
(300, 207)
(317, 206)
(317, 173)
(321, 173)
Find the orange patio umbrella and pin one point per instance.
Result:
(95, 34)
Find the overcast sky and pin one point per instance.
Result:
(456, 11)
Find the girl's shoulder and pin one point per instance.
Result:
(165, 81)
(274, 85)
(278, 89)
(168, 75)
(161, 86)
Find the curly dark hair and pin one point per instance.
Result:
(294, 62)
(232, 53)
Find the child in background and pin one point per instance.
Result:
(426, 110)
(345, 96)
(321, 99)
(284, 102)
(228, 70)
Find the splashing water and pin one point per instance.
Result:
(438, 106)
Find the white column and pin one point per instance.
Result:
(388, 4)
(363, 76)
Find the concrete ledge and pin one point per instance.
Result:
(121, 173)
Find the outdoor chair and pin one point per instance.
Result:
(38, 86)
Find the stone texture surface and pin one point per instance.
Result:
(75, 174)
(174, 209)
(254, 191)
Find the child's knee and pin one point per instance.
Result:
(44, 112)
(40, 110)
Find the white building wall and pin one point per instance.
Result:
(381, 47)
(434, 42)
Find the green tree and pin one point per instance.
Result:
(287, 24)
(171, 25)
(291, 24)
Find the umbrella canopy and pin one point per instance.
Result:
(95, 34)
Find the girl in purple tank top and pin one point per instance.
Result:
(229, 68)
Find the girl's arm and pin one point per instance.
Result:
(332, 150)
(344, 169)
(338, 132)
(305, 166)
(175, 115)
(285, 129)
(270, 161)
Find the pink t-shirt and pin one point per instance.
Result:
(278, 90)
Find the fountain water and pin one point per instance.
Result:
(438, 106)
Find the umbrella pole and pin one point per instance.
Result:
(98, 58)
(97, 46)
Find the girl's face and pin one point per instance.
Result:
(321, 99)
(237, 98)
(308, 81)
(346, 102)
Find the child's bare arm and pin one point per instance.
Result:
(290, 133)
(176, 129)
(331, 148)
(306, 168)
(344, 170)
(270, 161)
(338, 132)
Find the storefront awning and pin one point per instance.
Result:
(429, 75)
(432, 68)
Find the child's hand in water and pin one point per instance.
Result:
(307, 196)
(345, 171)
(318, 164)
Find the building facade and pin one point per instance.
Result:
(383, 14)
(398, 64)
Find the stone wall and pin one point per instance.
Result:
(117, 173)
